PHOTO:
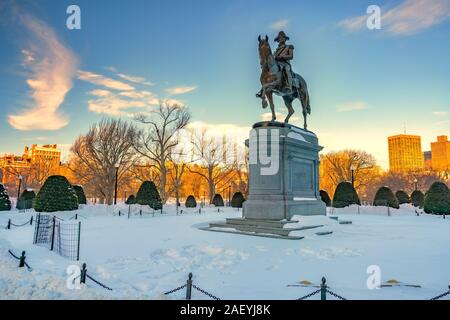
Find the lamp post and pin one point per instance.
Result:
(115, 187)
(18, 189)
(352, 169)
(229, 195)
(415, 183)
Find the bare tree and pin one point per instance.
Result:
(178, 162)
(160, 136)
(96, 154)
(215, 158)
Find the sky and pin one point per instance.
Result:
(129, 56)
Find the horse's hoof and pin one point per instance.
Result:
(264, 105)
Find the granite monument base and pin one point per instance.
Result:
(284, 173)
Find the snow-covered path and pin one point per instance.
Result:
(141, 258)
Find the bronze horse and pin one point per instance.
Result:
(271, 81)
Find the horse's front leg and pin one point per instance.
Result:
(263, 98)
(272, 106)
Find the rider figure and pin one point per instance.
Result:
(283, 55)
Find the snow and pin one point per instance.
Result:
(143, 257)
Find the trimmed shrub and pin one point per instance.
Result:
(237, 200)
(190, 202)
(402, 197)
(26, 200)
(80, 194)
(437, 199)
(131, 200)
(345, 195)
(385, 197)
(417, 198)
(56, 195)
(148, 195)
(218, 200)
(325, 198)
(5, 203)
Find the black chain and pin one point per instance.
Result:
(441, 295)
(205, 292)
(335, 295)
(309, 295)
(99, 283)
(11, 253)
(175, 290)
(21, 225)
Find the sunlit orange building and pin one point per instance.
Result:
(440, 151)
(405, 153)
(37, 160)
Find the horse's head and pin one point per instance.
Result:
(264, 49)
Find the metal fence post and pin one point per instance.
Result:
(323, 289)
(36, 230)
(189, 287)
(79, 239)
(53, 233)
(76, 216)
(200, 210)
(9, 224)
(22, 260)
(83, 273)
(31, 221)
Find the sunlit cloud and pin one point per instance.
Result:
(352, 106)
(279, 25)
(100, 80)
(407, 18)
(135, 79)
(440, 113)
(52, 67)
(180, 90)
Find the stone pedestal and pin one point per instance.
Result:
(288, 184)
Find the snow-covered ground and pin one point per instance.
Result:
(143, 257)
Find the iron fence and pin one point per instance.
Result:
(58, 235)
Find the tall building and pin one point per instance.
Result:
(405, 153)
(440, 151)
(427, 160)
(37, 162)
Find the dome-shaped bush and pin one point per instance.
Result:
(131, 200)
(402, 197)
(56, 195)
(80, 194)
(218, 200)
(345, 195)
(385, 197)
(437, 199)
(325, 198)
(190, 202)
(5, 203)
(237, 200)
(417, 198)
(149, 195)
(26, 200)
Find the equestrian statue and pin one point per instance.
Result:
(277, 77)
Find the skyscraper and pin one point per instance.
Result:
(405, 153)
(440, 151)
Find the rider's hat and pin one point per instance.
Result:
(281, 34)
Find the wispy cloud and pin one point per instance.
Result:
(440, 113)
(279, 24)
(440, 123)
(407, 18)
(352, 106)
(135, 79)
(53, 67)
(101, 80)
(180, 90)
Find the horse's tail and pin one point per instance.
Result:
(304, 94)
